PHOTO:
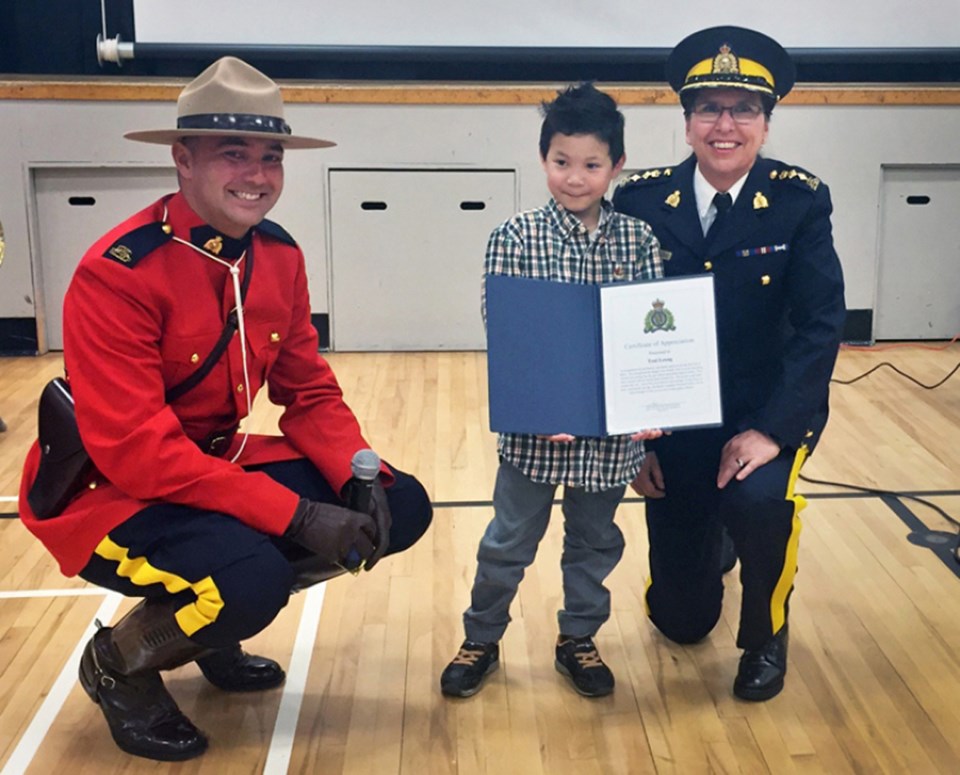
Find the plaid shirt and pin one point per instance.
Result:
(551, 244)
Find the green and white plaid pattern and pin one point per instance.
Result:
(551, 244)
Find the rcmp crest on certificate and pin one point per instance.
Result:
(658, 319)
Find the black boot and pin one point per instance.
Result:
(761, 671)
(120, 671)
(728, 552)
(233, 670)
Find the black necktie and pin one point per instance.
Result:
(723, 203)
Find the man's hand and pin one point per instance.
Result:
(744, 454)
(330, 531)
(649, 481)
(380, 509)
(559, 438)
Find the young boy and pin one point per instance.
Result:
(578, 238)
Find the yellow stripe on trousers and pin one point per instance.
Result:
(778, 601)
(193, 616)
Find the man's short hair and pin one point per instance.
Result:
(583, 110)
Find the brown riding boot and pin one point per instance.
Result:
(120, 671)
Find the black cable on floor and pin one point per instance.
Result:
(893, 494)
(901, 373)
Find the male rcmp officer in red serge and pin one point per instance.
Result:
(212, 527)
(780, 312)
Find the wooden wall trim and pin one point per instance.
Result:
(151, 90)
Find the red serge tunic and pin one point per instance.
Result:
(141, 314)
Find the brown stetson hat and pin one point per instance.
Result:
(230, 98)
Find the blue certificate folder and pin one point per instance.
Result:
(544, 357)
(546, 349)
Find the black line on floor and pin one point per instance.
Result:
(808, 496)
(941, 542)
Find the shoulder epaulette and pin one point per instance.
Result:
(276, 231)
(645, 176)
(134, 246)
(796, 175)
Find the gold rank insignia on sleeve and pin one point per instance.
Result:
(760, 201)
(121, 253)
(811, 180)
(674, 199)
(652, 174)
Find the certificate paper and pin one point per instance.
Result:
(660, 354)
(598, 360)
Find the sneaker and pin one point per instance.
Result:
(464, 675)
(578, 659)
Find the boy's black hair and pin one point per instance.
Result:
(583, 110)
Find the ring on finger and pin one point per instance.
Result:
(740, 463)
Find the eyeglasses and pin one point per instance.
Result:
(742, 112)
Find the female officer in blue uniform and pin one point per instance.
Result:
(762, 228)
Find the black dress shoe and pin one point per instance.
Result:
(143, 718)
(233, 670)
(761, 671)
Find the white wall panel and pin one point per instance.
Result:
(571, 23)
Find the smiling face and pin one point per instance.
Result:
(726, 149)
(579, 172)
(230, 182)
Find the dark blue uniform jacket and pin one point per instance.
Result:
(778, 284)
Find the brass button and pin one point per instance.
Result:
(765, 280)
(239, 388)
(274, 336)
(708, 265)
(166, 228)
(92, 485)
(194, 358)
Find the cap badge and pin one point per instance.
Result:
(726, 61)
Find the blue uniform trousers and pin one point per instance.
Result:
(685, 589)
(232, 579)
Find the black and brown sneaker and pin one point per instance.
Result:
(579, 659)
(464, 675)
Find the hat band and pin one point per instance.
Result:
(723, 81)
(235, 122)
(743, 71)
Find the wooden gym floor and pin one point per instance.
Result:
(874, 673)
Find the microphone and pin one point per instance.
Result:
(366, 467)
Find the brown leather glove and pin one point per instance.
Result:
(380, 511)
(331, 531)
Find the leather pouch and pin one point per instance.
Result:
(64, 463)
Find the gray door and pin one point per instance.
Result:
(917, 295)
(75, 207)
(407, 256)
